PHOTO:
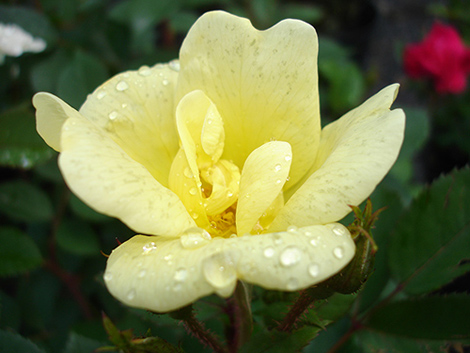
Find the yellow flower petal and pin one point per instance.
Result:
(136, 108)
(263, 177)
(98, 171)
(164, 274)
(263, 83)
(51, 114)
(355, 153)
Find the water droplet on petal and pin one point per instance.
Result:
(338, 252)
(219, 271)
(148, 248)
(288, 158)
(193, 191)
(278, 181)
(292, 284)
(101, 94)
(292, 229)
(174, 65)
(108, 276)
(180, 274)
(122, 86)
(113, 115)
(290, 256)
(314, 242)
(165, 82)
(188, 173)
(339, 230)
(142, 273)
(229, 193)
(131, 294)
(314, 269)
(277, 168)
(269, 252)
(144, 71)
(277, 239)
(194, 238)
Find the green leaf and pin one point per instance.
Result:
(280, 342)
(308, 13)
(14, 343)
(416, 134)
(18, 252)
(435, 317)
(45, 75)
(24, 202)
(134, 11)
(345, 80)
(433, 236)
(20, 144)
(80, 344)
(77, 237)
(375, 342)
(10, 316)
(82, 75)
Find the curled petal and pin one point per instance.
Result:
(355, 153)
(163, 274)
(263, 83)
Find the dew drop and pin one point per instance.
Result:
(290, 256)
(193, 191)
(314, 270)
(188, 173)
(339, 230)
(229, 193)
(174, 65)
(292, 229)
(278, 181)
(108, 276)
(195, 238)
(307, 233)
(113, 115)
(195, 215)
(168, 257)
(142, 273)
(165, 82)
(180, 274)
(144, 71)
(269, 252)
(292, 284)
(177, 287)
(277, 168)
(277, 239)
(338, 252)
(219, 271)
(288, 158)
(148, 248)
(101, 94)
(314, 242)
(122, 86)
(131, 294)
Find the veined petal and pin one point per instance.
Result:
(52, 112)
(355, 153)
(98, 171)
(263, 176)
(163, 274)
(263, 83)
(137, 109)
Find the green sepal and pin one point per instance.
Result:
(355, 274)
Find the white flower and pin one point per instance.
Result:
(15, 41)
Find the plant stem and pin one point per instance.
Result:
(241, 320)
(202, 334)
(300, 306)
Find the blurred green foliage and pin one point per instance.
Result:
(53, 247)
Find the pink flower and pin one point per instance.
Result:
(441, 56)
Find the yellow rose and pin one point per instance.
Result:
(221, 160)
